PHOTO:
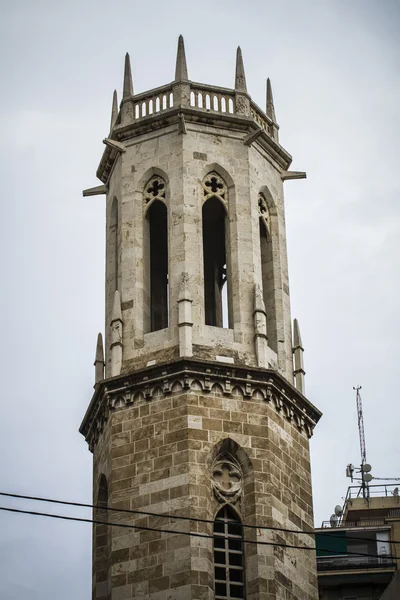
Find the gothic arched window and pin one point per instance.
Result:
(157, 223)
(229, 568)
(215, 245)
(267, 269)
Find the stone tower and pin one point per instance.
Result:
(199, 408)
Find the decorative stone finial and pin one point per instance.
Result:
(116, 336)
(181, 73)
(114, 110)
(240, 77)
(185, 320)
(128, 85)
(270, 102)
(99, 360)
(116, 314)
(260, 327)
(296, 335)
(259, 304)
(298, 350)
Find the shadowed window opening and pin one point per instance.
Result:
(158, 225)
(267, 270)
(228, 555)
(214, 258)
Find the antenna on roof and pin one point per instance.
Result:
(366, 477)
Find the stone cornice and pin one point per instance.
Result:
(266, 384)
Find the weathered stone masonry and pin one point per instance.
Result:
(191, 417)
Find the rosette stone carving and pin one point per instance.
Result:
(227, 479)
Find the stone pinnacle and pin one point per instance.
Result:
(128, 85)
(270, 102)
(181, 73)
(114, 110)
(240, 77)
(296, 335)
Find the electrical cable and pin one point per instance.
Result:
(182, 518)
(172, 531)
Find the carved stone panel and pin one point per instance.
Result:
(227, 479)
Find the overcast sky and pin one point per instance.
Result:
(334, 67)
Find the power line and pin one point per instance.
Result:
(172, 531)
(182, 518)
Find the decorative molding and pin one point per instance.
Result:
(256, 385)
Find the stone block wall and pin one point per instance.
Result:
(161, 461)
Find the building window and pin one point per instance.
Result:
(228, 555)
(267, 270)
(215, 260)
(157, 223)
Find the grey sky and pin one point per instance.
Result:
(335, 69)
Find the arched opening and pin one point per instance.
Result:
(214, 262)
(267, 270)
(158, 237)
(113, 246)
(101, 541)
(229, 567)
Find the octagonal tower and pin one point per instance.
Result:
(199, 415)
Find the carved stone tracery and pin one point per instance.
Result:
(215, 186)
(154, 190)
(226, 479)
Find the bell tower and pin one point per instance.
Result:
(198, 424)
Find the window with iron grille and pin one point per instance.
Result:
(228, 555)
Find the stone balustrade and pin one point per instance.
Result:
(201, 97)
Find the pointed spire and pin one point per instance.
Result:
(128, 85)
(298, 350)
(270, 102)
(240, 77)
(116, 314)
(114, 110)
(99, 359)
(296, 335)
(181, 73)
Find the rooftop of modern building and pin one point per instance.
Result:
(369, 506)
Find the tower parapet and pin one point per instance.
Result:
(197, 414)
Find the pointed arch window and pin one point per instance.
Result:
(229, 567)
(267, 269)
(217, 281)
(157, 227)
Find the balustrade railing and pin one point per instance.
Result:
(259, 117)
(202, 97)
(153, 102)
(211, 98)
